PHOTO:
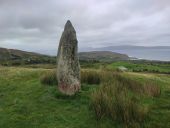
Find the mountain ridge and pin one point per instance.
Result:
(28, 57)
(103, 56)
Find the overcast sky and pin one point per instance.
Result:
(36, 25)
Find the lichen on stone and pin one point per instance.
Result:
(68, 67)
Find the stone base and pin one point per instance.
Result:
(69, 89)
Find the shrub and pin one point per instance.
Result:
(49, 78)
(113, 101)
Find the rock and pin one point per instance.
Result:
(68, 68)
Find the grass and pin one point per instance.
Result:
(142, 66)
(25, 102)
(118, 99)
(116, 103)
(159, 115)
(87, 77)
(90, 77)
(49, 78)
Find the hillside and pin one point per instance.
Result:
(13, 54)
(160, 53)
(16, 56)
(102, 56)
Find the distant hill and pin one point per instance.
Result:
(13, 54)
(18, 56)
(160, 53)
(102, 56)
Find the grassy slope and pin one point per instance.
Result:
(159, 115)
(24, 102)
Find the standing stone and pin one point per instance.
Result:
(68, 68)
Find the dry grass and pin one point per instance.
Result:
(151, 89)
(116, 97)
(87, 76)
(90, 77)
(146, 88)
(113, 101)
(102, 77)
(49, 78)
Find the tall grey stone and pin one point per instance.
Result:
(68, 68)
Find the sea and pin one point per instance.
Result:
(148, 54)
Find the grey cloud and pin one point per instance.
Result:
(36, 25)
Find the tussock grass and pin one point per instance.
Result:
(151, 89)
(117, 98)
(114, 102)
(25, 103)
(90, 77)
(49, 78)
(145, 88)
(102, 77)
(87, 77)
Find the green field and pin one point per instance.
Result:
(26, 103)
(142, 66)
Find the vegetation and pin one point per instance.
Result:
(117, 104)
(49, 78)
(87, 77)
(107, 99)
(90, 77)
(118, 99)
(102, 56)
(99, 76)
(143, 66)
(13, 57)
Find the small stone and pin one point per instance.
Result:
(68, 67)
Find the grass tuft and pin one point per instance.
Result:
(90, 77)
(49, 78)
(87, 77)
(113, 101)
(151, 89)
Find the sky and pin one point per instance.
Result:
(37, 25)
